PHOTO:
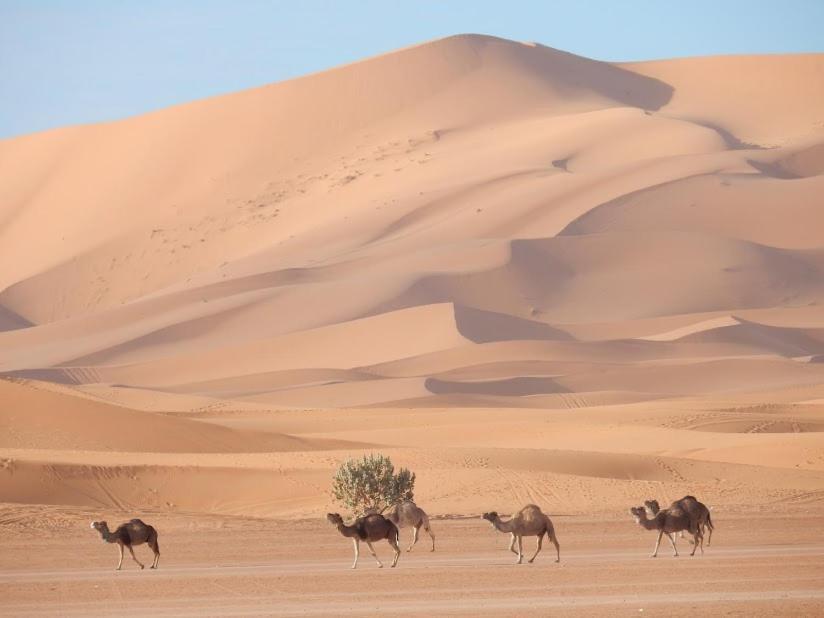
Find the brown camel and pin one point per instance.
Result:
(673, 519)
(134, 532)
(407, 514)
(529, 521)
(697, 511)
(370, 528)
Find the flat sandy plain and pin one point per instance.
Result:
(761, 564)
(526, 275)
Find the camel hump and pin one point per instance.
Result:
(360, 529)
(137, 522)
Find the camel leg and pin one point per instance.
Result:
(357, 553)
(709, 539)
(672, 540)
(394, 543)
(120, 562)
(657, 543)
(131, 551)
(557, 547)
(374, 555)
(425, 523)
(414, 537)
(520, 549)
(697, 538)
(156, 549)
(512, 544)
(537, 549)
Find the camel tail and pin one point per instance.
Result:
(709, 520)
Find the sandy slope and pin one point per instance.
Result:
(268, 231)
(527, 275)
(36, 416)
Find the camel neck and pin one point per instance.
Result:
(106, 534)
(503, 526)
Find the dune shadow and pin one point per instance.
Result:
(774, 170)
(481, 326)
(732, 141)
(509, 387)
(58, 376)
(611, 81)
(9, 320)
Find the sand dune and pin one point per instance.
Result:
(522, 273)
(33, 417)
(757, 208)
(729, 93)
(729, 329)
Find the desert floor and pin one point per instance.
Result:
(243, 533)
(759, 564)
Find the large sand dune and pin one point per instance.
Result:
(527, 275)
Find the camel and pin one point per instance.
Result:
(370, 528)
(408, 513)
(697, 511)
(673, 519)
(529, 521)
(134, 532)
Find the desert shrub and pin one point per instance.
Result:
(371, 485)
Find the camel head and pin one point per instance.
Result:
(490, 517)
(639, 513)
(652, 507)
(334, 519)
(101, 526)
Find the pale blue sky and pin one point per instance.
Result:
(76, 61)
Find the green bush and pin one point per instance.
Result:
(371, 485)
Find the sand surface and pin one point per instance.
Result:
(526, 275)
(213, 566)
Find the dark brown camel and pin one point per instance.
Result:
(134, 532)
(370, 528)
